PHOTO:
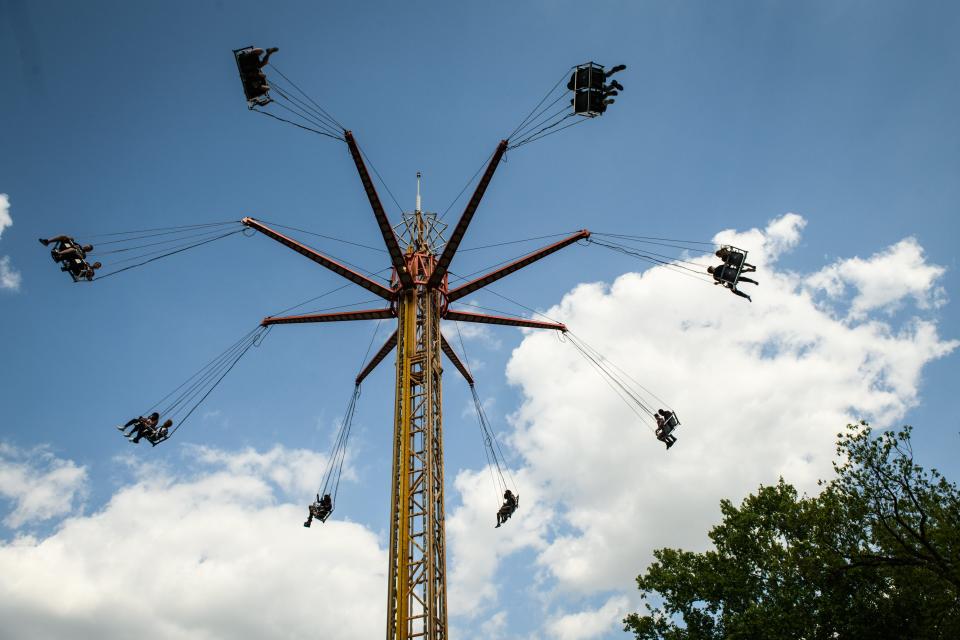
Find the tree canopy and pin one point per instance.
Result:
(875, 555)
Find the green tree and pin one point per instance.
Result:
(875, 555)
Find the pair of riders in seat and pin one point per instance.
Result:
(320, 509)
(147, 427)
(251, 64)
(730, 273)
(591, 91)
(72, 257)
(666, 423)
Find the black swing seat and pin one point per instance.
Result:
(64, 246)
(590, 91)
(587, 85)
(255, 87)
(668, 424)
(154, 435)
(157, 438)
(733, 264)
(319, 513)
(508, 510)
(81, 267)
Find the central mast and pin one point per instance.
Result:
(417, 592)
(419, 296)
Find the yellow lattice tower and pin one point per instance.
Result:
(419, 297)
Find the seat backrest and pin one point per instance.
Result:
(589, 76)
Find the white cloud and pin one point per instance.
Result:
(40, 485)
(592, 623)
(213, 554)
(765, 246)
(495, 625)
(5, 219)
(883, 280)
(10, 278)
(761, 388)
(296, 472)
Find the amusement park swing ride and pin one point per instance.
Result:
(417, 296)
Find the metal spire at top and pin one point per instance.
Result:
(418, 191)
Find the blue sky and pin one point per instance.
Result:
(130, 115)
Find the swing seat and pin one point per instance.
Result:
(667, 426)
(588, 76)
(255, 87)
(734, 262)
(589, 103)
(319, 513)
(587, 84)
(78, 268)
(507, 511)
(156, 437)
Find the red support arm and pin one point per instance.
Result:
(452, 355)
(465, 316)
(458, 232)
(319, 258)
(343, 316)
(516, 265)
(389, 237)
(378, 357)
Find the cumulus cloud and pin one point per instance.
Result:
(10, 278)
(295, 472)
(884, 280)
(761, 390)
(212, 552)
(592, 623)
(5, 219)
(39, 485)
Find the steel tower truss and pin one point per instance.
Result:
(418, 298)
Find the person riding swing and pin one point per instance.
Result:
(159, 434)
(251, 64)
(80, 269)
(727, 276)
(320, 509)
(72, 257)
(66, 248)
(139, 425)
(666, 423)
(510, 503)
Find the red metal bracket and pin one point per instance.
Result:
(378, 357)
(316, 256)
(465, 316)
(458, 232)
(455, 359)
(389, 237)
(343, 316)
(516, 265)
